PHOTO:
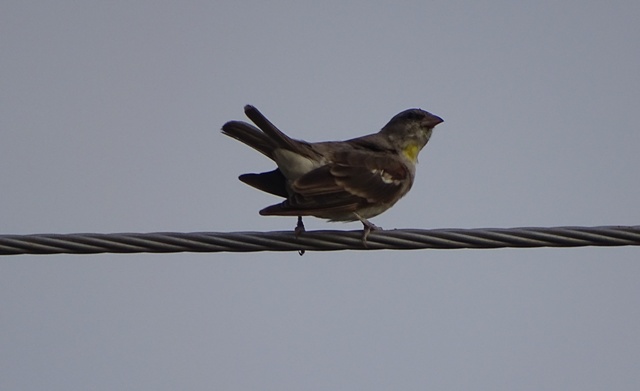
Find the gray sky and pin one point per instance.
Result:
(110, 115)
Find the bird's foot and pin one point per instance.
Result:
(298, 231)
(299, 227)
(367, 228)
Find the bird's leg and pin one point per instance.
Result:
(298, 230)
(367, 228)
(299, 227)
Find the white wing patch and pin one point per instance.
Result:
(385, 176)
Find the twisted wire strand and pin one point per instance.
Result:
(398, 239)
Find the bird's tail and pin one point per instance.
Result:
(277, 136)
(265, 139)
(251, 136)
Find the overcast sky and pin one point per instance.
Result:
(110, 115)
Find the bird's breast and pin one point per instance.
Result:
(411, 152)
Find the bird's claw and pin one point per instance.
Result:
(298, 231)
(367, 228)
(299, 227)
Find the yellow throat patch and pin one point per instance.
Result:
(411, 152)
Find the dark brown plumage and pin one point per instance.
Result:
(337, 180)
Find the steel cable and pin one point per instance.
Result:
(397, 239)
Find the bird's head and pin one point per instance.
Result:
(410, 130)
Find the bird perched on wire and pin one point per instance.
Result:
(336, 180)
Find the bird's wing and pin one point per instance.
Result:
(353, 180)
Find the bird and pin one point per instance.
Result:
(351, 180)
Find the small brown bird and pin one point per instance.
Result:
(336, 180)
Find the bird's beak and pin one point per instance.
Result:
(432, 121)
